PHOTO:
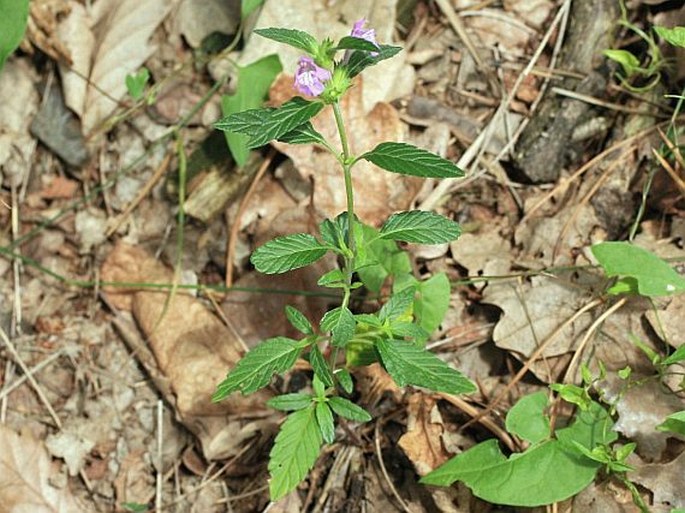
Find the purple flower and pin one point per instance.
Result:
(310, 79)
(369, 35)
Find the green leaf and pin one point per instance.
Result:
(320, 366)
(674, 422)
(406, 159)
(675, 36)
(398, 305)
(573, 394)
(348, 409)
(332, 279)
(254, 81)
(264, 125)
(527, 418)
(324, 417)
(294, 453)
(382, 259)
(303, 134)
(345, 380)
(591, 428)
(653, 276)
(359, 61)
(287, 253)
(408, 330)
(408, 364)
(248, 6)
(432, 302)
(298, 320)
(627, 60)
(255, 369)
(677, 356)
(292, 37)
(356, 43)
(334, 232)
(340, 322)
(136, 507)
(544, 474)
(135, 84)
(420, 227)
(290, 402)
(13, 17)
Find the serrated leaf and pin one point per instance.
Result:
(674, 423)
(332, 279)
(292, 37)
(324, 418)
(675, 35)
(12, 26)
(254, 81)
(406, 159)
(294, 453)
(298, 320)
(357, 43)
(348, 409)
(340, 322)
(408, 364)
(527, 418)
(359, 61)
(653, 276)
(397, 305)
(345, 379)
(303, 134)
(286, 253)
(290, 402)
(334, 232)
(255, 369)
(320, 366)
(432, 302)
(408, 330)
(420, 227)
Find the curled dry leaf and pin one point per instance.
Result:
(25, 475)
(667, 482)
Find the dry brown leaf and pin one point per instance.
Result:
(25, 475)
(422, 443)
(135, 481)
(666, 481)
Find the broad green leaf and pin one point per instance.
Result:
(255, 369)
(332, 279)
(13, 17)
(527, 418)
(348, 409)
(544, 474)
(675, 35)
(320, 366)
(345, 379)
(626, 59)
(334, 232)
(287, 253)
(420, 227)
(298, 320)
(408, 330)
(398, 305)
(652, 275)
(135, 84)
(382, 259)
(356, 43)
(303, 134)
(677, 356)
(408, 364)
(324, 418)
(290, 402)
(254, 81)
(292, 37)
(294, 452)
(432, 301)
(591, 428)
(674, 423)
(359, 61)
(248, 6)
(406, 159)
(340, 322)
(264, 125)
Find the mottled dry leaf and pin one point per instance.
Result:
(668, 323)
(422, 443)
(487, 252)
(25, 475)
(666, 481)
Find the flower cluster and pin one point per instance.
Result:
(312, 79)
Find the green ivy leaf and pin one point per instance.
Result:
(254, 81)
(675, 36)
(294, 453)
(324, 417)
(320, 366)
(286, 253)
(527, 418)
(356, 43)
(359, 61)
(420, 227)
(303, 134)
(13, 21)
(408, 364)
(292, 37)
(345, 380)
(674, 423)
(290, 402)
(135, 84)
(340, 322)
(651, 275)
(348, 409)
(406, 159)
(255, 369)
(298, 320)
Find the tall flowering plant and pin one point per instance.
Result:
(395, 335)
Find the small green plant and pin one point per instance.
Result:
(395, 335)
(135, 84)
